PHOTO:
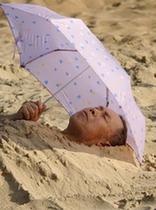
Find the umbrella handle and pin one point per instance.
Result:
(46, 102)
(47, 99)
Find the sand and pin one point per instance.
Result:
(41, 169)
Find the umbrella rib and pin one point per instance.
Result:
(107, 90)
(66, 85)
(57, 50)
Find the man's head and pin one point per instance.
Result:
(100, 126)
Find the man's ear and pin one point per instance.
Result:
(99, 144)
(108, 143)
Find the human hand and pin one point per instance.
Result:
(30, 110)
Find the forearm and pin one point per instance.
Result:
(29, 111)
(15, 116)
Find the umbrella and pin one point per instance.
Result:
(68, 59)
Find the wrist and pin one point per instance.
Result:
(16, 116)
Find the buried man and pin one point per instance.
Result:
(99, 125)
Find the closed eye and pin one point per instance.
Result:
(106, 116)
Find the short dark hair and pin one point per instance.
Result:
(120, 137)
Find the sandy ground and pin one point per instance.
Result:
(39, 168)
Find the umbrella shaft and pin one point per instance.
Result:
(47, 99)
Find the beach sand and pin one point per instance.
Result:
(41, 169)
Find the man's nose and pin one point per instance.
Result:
(94, 111)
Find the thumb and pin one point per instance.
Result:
(42, 107)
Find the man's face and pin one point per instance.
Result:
(94, 125)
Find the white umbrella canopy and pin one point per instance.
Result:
(68, 59)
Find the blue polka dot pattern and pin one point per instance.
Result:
(76, 59)
(79, 97)
(58, 28)
(70, 113)
(60, 61)
(46, 82)
(57, 85)
(86, 41)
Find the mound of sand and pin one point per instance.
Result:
(39, 163)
